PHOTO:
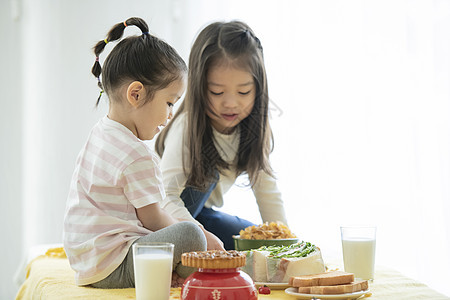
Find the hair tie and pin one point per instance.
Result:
(244, 34)
(125, 23)
(96, 58)
(145, 33)
(106, 41)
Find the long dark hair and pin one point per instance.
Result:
(143, 58)
(233, 41)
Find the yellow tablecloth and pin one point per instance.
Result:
(50, 277)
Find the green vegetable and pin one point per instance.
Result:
(295, 250)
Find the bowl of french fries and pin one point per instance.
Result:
(266, 234)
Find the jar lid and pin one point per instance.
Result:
(214, 259)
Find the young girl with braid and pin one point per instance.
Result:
(220, 131)
(116, 189)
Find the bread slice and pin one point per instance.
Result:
(327, 278)
(335, 289)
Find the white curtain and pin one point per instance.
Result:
(361, 119)
(360, 94)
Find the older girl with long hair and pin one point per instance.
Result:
(220, 132)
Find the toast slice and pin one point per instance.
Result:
(322, 279)
(335, 289)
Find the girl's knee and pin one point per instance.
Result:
(195, 235)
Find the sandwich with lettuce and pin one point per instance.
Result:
(278, 263)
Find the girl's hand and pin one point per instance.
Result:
(213, 242)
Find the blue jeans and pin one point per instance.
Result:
(223, 225)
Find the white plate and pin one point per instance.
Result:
(292, 291)
(274, 285)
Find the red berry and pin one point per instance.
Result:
(265, 290)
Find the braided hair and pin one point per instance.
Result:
(143, 58)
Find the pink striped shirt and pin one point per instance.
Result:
(115, 173)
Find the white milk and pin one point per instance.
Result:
(153, 275)
(359, 257)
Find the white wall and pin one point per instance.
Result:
(60, 95)
(362, 89)
(11, 92)
(47, 98)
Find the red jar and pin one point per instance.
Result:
(219, 284)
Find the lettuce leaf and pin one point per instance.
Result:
(301, 249)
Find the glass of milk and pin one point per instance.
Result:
(152, 270)
(358, 249)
